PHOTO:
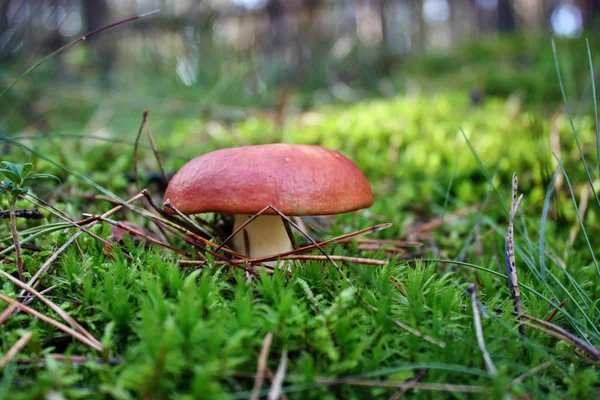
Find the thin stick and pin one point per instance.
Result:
(275, 392)
(141, 235)
(583, 205)
(33, 281)
(156, 154)
(349, 282)
(533, 371)
(40, 203)
(110, 212)
(66, 46)
(402, 391)
(15, 236)
(356, 260)
(74, 324)
(324, 243)
(262, 365)
(566, 334)
(73, 359)
(53, 322)
(187, 219)
(489, 364)
(511, 266)
(555, 311)
(15, 349)
(135, 149)
(383, 242)
(436, 387)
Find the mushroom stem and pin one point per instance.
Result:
(266, 236)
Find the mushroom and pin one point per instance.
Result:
(295, 179)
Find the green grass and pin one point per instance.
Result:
(171, 331)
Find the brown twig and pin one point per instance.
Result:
(42, 204)
(156, 154)
(135, 149)
(563, 334)
(15, 349)
(396, 282)
(64, 328)
(402, 391)
(398, 323)
(583, 205)
(187, 219)
(382, 242)
(262, 365)
(356, 260)
(555, 311)
(33, 282)
(436, 387)
(323, 243)
(74, 324)
(533, 371)
(141, 235)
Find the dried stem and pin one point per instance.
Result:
(135, 149)
(33, 282)
(85, 340)
(15, 349)
(262, 365)
(489, 364)
(533, 371)
(156, 154)
(15, 236)
(561, 333)
(511, 266)
(402, 391)
(555, 311)
(277, 381)
(53, 306)
(141, 235)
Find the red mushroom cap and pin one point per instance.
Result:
(295, 179)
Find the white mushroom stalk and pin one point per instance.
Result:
(266, 236)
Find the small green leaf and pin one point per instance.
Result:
(26, 170)
(41, 176)
(16, 168)
(10, 174)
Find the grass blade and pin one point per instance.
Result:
(564, 95)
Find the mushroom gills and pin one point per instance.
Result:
(266, 236)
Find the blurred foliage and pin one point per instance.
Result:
(511, 65)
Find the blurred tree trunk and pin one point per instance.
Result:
(387, 59)
(591, 11)
(97, 13)
(506, 16)
(275, 10)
